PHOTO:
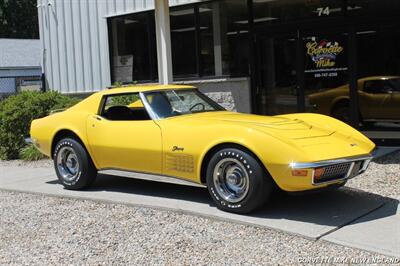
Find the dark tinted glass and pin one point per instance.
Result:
(133, 51)
(378, 63)
(207, 15)
(286, 11)
(234, 32)
(210, 39)
(183, 41)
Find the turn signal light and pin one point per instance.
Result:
(299, 172)
(318, 172)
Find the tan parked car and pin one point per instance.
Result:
(379, 100)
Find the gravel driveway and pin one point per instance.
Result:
(36, 229)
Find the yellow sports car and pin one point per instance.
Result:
(177, 131)
(378, 97)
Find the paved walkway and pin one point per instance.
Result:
(348, 217)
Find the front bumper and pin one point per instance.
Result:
(300, 176)
(334, 171)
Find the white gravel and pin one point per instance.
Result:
(37, 229)
(41, 230)
(382, 177)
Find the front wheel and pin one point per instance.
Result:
(73, 165)
(237, 182)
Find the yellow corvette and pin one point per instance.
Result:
(177, 131)
(378, 97)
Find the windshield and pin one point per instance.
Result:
(179, 102)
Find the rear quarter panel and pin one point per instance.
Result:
(44, 130)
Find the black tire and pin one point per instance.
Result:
(74, 167)
(245, 167)
(342, 112)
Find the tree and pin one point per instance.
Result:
(19, 19)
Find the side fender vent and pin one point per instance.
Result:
(179, 162)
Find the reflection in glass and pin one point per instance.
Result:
(234, 41)
(207, 41)
(183, 41)
(278, 75)
(326, 73)
(379, 100)
(133, 48)
(379, 66)
(378, 83)
(283, 11)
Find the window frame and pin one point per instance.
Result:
(367, 82)
(152, 46)
(103, 102)
(155, 117)
(199, 74)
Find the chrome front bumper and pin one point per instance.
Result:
(349, 167)
(330, 162)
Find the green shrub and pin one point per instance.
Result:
(123, 99)
(30, 153)
(17, 113)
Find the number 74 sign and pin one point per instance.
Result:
(323, 11)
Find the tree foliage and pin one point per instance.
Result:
(19, 19)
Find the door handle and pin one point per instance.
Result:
(97, 118)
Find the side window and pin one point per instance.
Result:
(374, 86)
(124, 107)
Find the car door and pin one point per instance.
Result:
(123, 140)
(375, 100)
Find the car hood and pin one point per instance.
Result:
(315, 138)
(289, 128)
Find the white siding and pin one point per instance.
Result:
(75, 40)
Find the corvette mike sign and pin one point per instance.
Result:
(325, 58)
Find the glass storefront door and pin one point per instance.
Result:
(378, 75)
(333, 57)
(277, 76)
(326, 73)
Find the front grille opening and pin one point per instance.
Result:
(333, 172)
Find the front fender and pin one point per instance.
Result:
(272, 152)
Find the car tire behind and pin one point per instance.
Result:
(73, 165)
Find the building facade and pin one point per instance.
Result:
(20, 65)
(335, 57)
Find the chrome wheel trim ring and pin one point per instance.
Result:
(67, 164)
(231, 180)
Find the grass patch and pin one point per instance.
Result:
(30, 153)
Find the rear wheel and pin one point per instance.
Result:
(237, 182)
(73, 165)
